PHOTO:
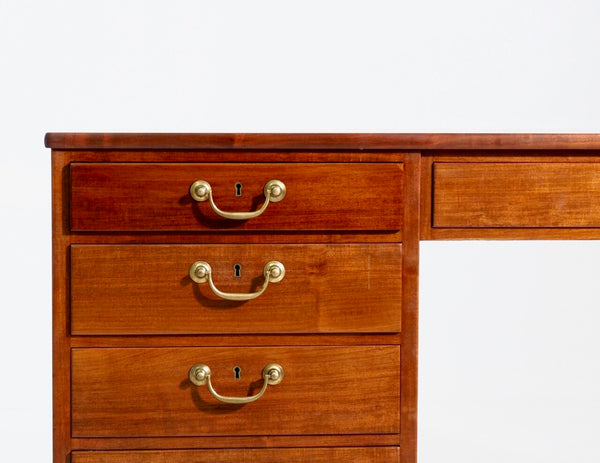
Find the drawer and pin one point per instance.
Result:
(272, 455)
(147, 289)
(516, 194)
(156, 197)
(137, 392)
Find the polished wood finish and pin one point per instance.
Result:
(155, 197)
(230, 442)
(511, 195)
(61, 371)
(551, 196)
(237, 340)
(65, 442)
(322, 141)
(327, 288)
(313, 455)
(146, 392)
(260, 237)
(123, 400)
(410, 313)
(220, 156)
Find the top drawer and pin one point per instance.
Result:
(516, 194)
(156, 196)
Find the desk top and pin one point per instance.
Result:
(334, 141)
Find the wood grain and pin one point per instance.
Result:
(512, 195)
(361, 395)
(410, 312)
(290, 455)
(326, 141)
(64, 443)
(524, 233)
(233, 237)
(237, 340)
(233, 156)
(146, 392)
(155, 197)
(231, 442)
(141, 289)
(61, 372)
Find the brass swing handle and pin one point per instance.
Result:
(274, 192)
(201, 272)
(200, 375)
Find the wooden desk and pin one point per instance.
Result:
(133, 312)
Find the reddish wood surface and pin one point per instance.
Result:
(146, 392)
(326, 141)
(61, 372)
(510, 195)
(410, 312)
(531, 211)
(230, 442)
(313, 455)
(237, 340)
(234, 156)
(155, 197)
(63, 442)
(224, 237)
(126, 404)
(146, 289)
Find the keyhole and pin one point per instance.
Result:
(237, 371)
(237, 269)
(238, 189)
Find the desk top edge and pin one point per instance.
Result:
(324, 141)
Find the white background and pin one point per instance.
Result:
(509, 346)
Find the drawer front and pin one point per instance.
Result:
(146, 289)
(156, 197)
(528, 195)
(137, 392)
(278, 455)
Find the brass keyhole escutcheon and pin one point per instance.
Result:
(274, 191)
(199, 375)
(201, 272)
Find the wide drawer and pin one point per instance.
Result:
(156, 197)
(136, 392)
(271, 455)
(516, 194)
(147, 289)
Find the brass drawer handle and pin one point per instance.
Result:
(274, 192)
(201, 272)
(200, 375)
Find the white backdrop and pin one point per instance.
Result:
(509, 352)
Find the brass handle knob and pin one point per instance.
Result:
(201, 272)
(274, 192)
(200, 375)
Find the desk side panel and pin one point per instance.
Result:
(61, 379)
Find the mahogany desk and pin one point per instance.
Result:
(254, 297)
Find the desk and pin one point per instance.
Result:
(129, 217)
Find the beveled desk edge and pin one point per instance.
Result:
(320, 141)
